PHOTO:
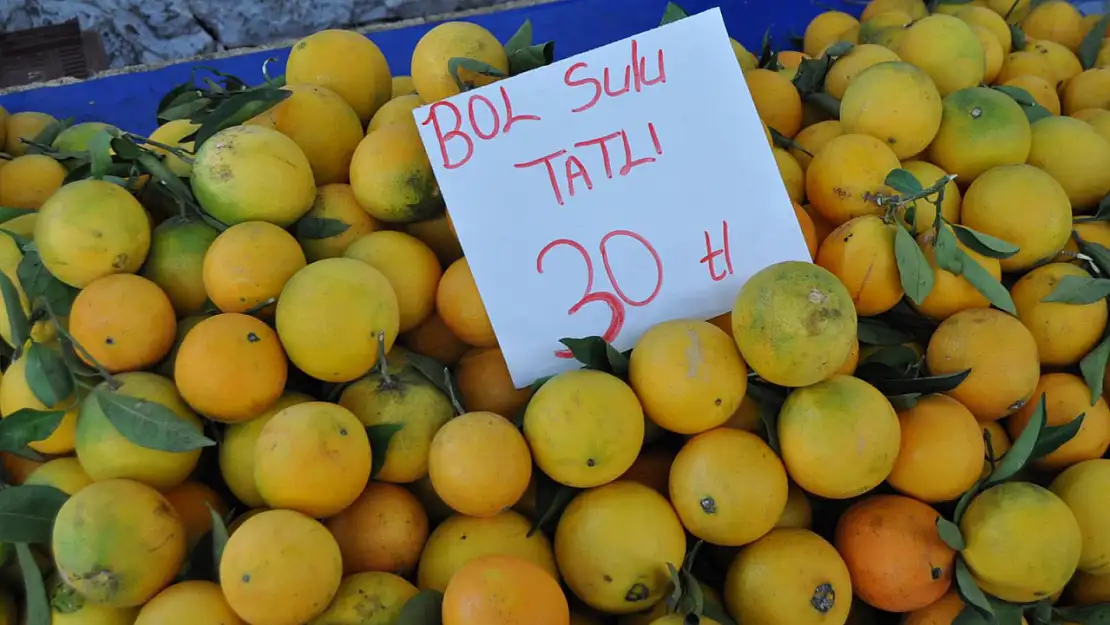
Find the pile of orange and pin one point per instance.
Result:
(287, 405)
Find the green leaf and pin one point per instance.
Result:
(437, 373)
(618, 361)
(913, 266)
(1036, 113)
(524, 56)
(27, 513)
(591, 351)
(1092, 42)
(1017, 35)
(950, 533)
(966, 499)
(521, 39)
(903, 182)
(379, 436)
(47, 375)
(1042, 612)
(947, 253)
(1098, 614)
(969, 591)
(1079, 290)
(157, 169)
(148, 424)
(1093, 367)
(48, 135)
(1019, 95)
(40, 285)
(673, 13)
(237, 109)
(19, 324)
(919, 386)
(770, 399)
(37, 606)
(1054, 436)
(1022, 450)
(900, 359)
(825, 102)
(25, 426)
(1098, 254)
(717, 612)
(987, 285)
(8, 213)
(1006, 613)
(551, 498)
(320, 228)
(970, 616)
(872, 331)
(219, 540)
(126, 149)
(810, 77)
(100, 154)
(471, 65)
(425, 608)
(984, 244)
(839, 49)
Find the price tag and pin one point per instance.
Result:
(610, 191)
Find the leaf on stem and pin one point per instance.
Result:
(950, 533)
(986, 284)
(219, 540)
(1079, 290)
(969, 591)
(872, 331)
(20, 326)
(27, 513)
(320, 228)
(26, 426)
(148, 424)
(903, 182)
(984, 244)
(473, 66)
(47, 375)
(37, 605)
(379, 436)
(1093, 367)
(1055, 436)
(1092, 42)
(551, 498)
(41, 286)
(1022, 451)
(913, 267)
(424, 608)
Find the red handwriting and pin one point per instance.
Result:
(615, 300)
(450, 127)
(635, 78)
(712, 255)
(572, 170)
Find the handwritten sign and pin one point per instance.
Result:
(610, 191)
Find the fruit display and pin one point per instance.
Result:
(248, 377)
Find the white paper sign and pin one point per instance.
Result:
(610, 191)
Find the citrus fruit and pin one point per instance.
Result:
(828, 28)
(28, 181)
(392, 177)
(776, 100)
(383, 530)
(171, 134)
(1055, 21)
(613, 544)
(652, 468)
(437, 233)
(1076, 156)
(845, 176)
(396, 111)
(858, 59)
(195, 503)
(345, 62)
(66, 474)
(485, 384)
(176, 262)
(794, 322)
(1042, 91)
(860, 253)
(410, 266)
(792, 175)
(1025, 63)
(186, 603)
(1064, 332)
(434, 339)
(976, 15)
(505, 590)
(24, 125)
(952, 293)
(925, 212)
(248, 264)
(123, 322)
(16, 394)
(237, 449)
(980, 128)
(1090, 89)
(479, 463)
(118, 542)
(895, 102)
(1067, 397)
(585, 428)
(68, 607)
(813, 139)
(367, 599)
(1081, 487)
(993, 53)
(798, 511)
(728, 487)
(461, 307)
(431, 72)
(942, 451)
(335, 209)
(946, 49)
(329, 317)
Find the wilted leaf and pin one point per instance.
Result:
(320, 228)
(425, 608)
(1079, 290)
(149, 424)
(25, 426)
(379, 436)
(903, 182)
(950, 533)
(27, 513)
(37, 605)
(1092, 42)
(913, 266)
(532, 57)
(872, 331)
(984, 244)
(1022, 450)
(47, 375)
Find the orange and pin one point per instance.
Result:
(942, 451)
(845, 176)
(652, 468)
(813, 138)
(392, 177)
(411, 268)
(438, 233)
(688, 375)
(345, 62)
(483, 379)
(906, 116)
(171, 134)
(187, 603)
(396, 111)
(946, 49)
(479, 463)
(248, 264)
(368, 599)
(195, 502)
(980, 128)
(236, 450)
(434, 339)
(434, 50)
(792, 175)
(1055, 21)
(461, 307)
(230, 367)
(124, 322)
(915, 9)
(1027, 62)
(1087, 589)
(860, 253)
(118, 543)
(795, 323)
(1076, 156)
(1064, 333)
(828, 28)
(383, 530)
(28, 181)
(1042, 91)
(858, 59)
(1067, 397)
(790, 572)
(996, 442)
(65, 474)
(894, 554)
(1000, 353)
(1022, 205)
(334, 202)
(1099, 119)
(330, 316)
(1090, 89)
(460, 539)
(798, 512)
(23, 125)
(613, 544)
(925, 212)
(312, 457)
(16, 394)
(952, 293)
(809, 231)
(993, 54)
(1081, 487)
(176, 262)
(943, 611)
(776, 100)
(1062, 61)
(503, 590)
(280, 568)
(728, 487)
(823, 426)
(982, 16)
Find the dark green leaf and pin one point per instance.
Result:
(154, 166)
(1006, 613)
(618, 361)
(919, 386)
(425, 608)
(900, 359)
(237, 109)
(320, 228)
(591, 351)
(947, 253)
(1042, 612)
(185, 110)
(148, 424)
(1079, 290)
(37, 606)
(40, 285)
(965, 500)
(179, 93)
(971, 616)
(437, 373)
(969, 591)
(17, 318)
(1022, 451)
(810, 77)
(100, 154)
(913, 266)
(47, 136)
(903, 182)
(717, 612)
(379, 436)
(521, 39)
(7, 213)
(471, 65)
(1054, 436)
(986, 284)
(74, 363)
(874, 332)
(25, 426)
(1036, 113)
(1098, 254)
(825, 102)
(782, 141)
(1017, 35)
(551, 498)
(901, 403)
(839, 49)
(673, 13)
(770, 405)
(1092, 42)
(27, 513)
(47, 375)
(1019, 95)
(126, 149)
(1093, 367)
(984, 244)
(219, 540)
(530, 58)
(950, 533)
(767, 57)
(1098, 614)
